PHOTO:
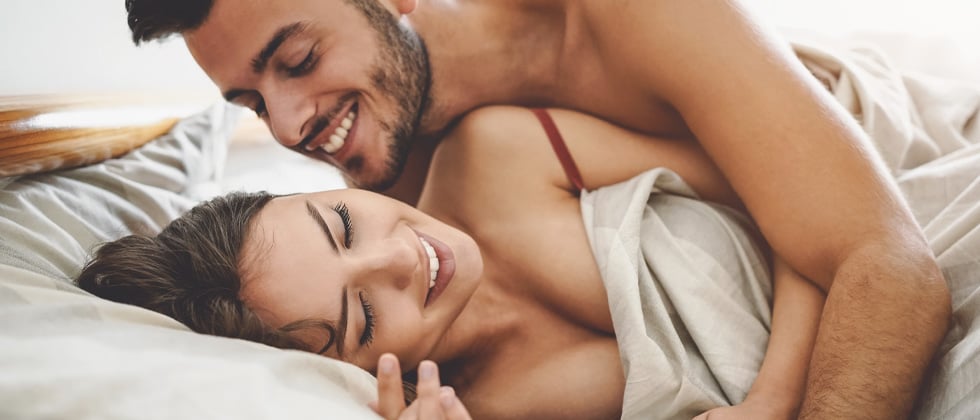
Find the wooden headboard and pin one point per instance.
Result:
(44, 133)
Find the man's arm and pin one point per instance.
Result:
(812, 182)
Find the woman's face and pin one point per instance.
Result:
(365, 263)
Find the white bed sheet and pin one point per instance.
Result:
(65, 354)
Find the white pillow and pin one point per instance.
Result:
(67, 354)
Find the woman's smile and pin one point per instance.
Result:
(442, 266)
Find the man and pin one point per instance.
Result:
(370, 85)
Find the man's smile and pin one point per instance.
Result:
(329, 133)
(334, 141)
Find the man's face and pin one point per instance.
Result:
(337, 80)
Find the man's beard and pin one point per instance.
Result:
(402, 73)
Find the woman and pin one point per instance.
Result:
(492, 277)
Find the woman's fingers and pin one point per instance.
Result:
(452, 406)
(391, 396)
(428, 391)
(433, 401)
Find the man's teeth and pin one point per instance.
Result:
(339, 135)
(433, 261)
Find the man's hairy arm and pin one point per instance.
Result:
(885, 315)
(811, 180)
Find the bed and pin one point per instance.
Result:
(66, 354)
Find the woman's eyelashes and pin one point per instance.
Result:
(369, 320)
(344, 214)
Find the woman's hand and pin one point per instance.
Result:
(756, 409)
(433, 402)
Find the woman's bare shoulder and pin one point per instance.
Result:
(495, 161)
(495, 147)
(492, 129)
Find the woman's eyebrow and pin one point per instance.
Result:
(318, 218)
(340, 333)
(338, 340)
(342, 324)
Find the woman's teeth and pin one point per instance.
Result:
(433, 261)
(339, 135)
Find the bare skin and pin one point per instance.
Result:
(542, 223)
(693, 71)
(525, 321)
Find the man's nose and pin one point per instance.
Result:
(288, 113)
(394, 261)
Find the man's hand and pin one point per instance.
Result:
(433, 402)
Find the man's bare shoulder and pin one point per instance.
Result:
(645, 41)
(606, 14)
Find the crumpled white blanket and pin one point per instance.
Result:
(689, 287)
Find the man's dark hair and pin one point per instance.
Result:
(191, 272)
(155, 19)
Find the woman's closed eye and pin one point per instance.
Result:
(369, 320)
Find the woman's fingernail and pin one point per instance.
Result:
(447, 397)
(427, 370)
(387, 364)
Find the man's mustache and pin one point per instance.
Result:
(321, 122)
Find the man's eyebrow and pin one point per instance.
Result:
(318, 218)
(261, 60)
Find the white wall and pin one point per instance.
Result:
(58, 46)
(83, 46)
(948, 17)
(938, 37)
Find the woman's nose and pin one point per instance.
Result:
(396, 261)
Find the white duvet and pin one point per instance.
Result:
(65, 354)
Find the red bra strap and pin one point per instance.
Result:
(558, 143)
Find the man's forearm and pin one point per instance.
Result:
(884, 317)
